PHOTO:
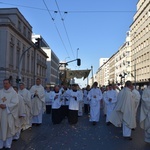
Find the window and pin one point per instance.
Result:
(11, 50)
(23, 60)
(17, 57)
(24, 30)
(29, 35)
(19, 25)
(11, 55)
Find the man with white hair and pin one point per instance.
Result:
(94, 96)
(145, 113)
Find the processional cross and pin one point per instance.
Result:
(4, 99)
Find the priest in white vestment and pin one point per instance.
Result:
(137, 97)
(21, 115)
(110, 101)
(94, 96)
(8, 114)
(28, 108)
(124, 112)
(104, 99)
(38, 102)
(145, 113)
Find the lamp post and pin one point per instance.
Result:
(77, 52)
(92, 75)
(120, 78)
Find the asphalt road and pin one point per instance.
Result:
(82, 136)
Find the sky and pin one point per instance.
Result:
(85, 29)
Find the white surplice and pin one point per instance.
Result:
(74, 103)
(56, 103)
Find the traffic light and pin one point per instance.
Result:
(18, 80)
(38, 43)
(78, 62)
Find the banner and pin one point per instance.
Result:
(70, 74)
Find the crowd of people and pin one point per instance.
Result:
(20, 109)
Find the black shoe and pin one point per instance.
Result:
(94, 123)
(108, 123)
(7, 148)
(128, 138)
(38, 124)
(15, 139)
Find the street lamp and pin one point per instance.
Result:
(77, 52)
(92, 74)
(122, 77)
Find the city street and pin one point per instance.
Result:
(83, 136)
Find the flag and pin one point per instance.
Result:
(70, 74)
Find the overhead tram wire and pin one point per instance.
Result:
(22, 6)
(78, 11)
(56, 27)
(64, 27)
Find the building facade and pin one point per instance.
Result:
(52, 61)
(140, 43)
(15, 39)
(132, 60)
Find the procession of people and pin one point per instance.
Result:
(21, 109)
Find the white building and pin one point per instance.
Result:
(102, 61)
(52, 62)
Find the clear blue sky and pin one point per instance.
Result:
(98, 28)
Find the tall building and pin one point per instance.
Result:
(140, 43)
(102, 61)
(15, 41)
(132, 60)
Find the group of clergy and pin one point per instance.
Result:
(121, 107)
(66, 102)
(20, 109)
